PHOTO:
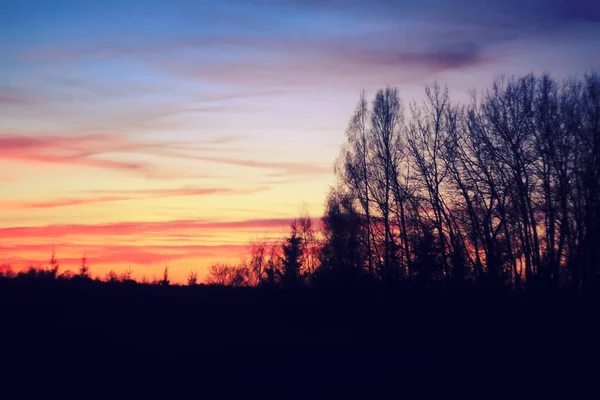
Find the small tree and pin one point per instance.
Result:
(67, 275)
(53, 265)
(309, 244)
(228, 275)
(6, 271)
(127, 276)
(292, 257)
(257, 262)
(165, 281)
(84, 269)
(192, 278)
(112, 277)
(272, 270)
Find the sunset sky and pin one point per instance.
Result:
(149, 132)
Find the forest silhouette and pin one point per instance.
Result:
(458, 238)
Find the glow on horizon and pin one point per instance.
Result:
(151, 133)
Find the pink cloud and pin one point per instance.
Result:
(92, 150)
(123, 195)
(141, 228)
(69, 150)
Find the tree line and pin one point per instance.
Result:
(503, 190)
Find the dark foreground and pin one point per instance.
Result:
(305, 343)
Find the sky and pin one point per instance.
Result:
(147, 133)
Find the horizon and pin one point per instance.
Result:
(147, 133)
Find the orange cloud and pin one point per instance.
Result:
(132, 195)
(132, 228)
(109, 254)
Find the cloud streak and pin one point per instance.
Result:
(282, 168)
(143, 228)
(125, 195)
(102, 258)
(94, 150)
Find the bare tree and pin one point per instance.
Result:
(258, 261)
(386, 119)
(222, 274)
(309, 243)
(354, 166)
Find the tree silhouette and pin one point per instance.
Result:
(292, 257)
(53, 265)
(503, 189)
(192, 279)
(84, 269)
(165, 280)
(344, 251)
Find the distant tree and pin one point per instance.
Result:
(272, 270)
(32, 272)
(239, 276)
(127, 276)
(257, 262)
(217, 274)
(155, 280)
(6, 271)
(165, 281)
(292, 257)
(112, 277)
(309, 244)
(84, 269)
(53, 265)
(222, 274)
(67, 275)
(192, 279)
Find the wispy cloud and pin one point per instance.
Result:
(142, 228)
(75, 150)
(103, 255)
(98, 151)
(94, 150)
(281, 168)
(124, 195)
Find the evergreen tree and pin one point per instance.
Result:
(292, 255)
